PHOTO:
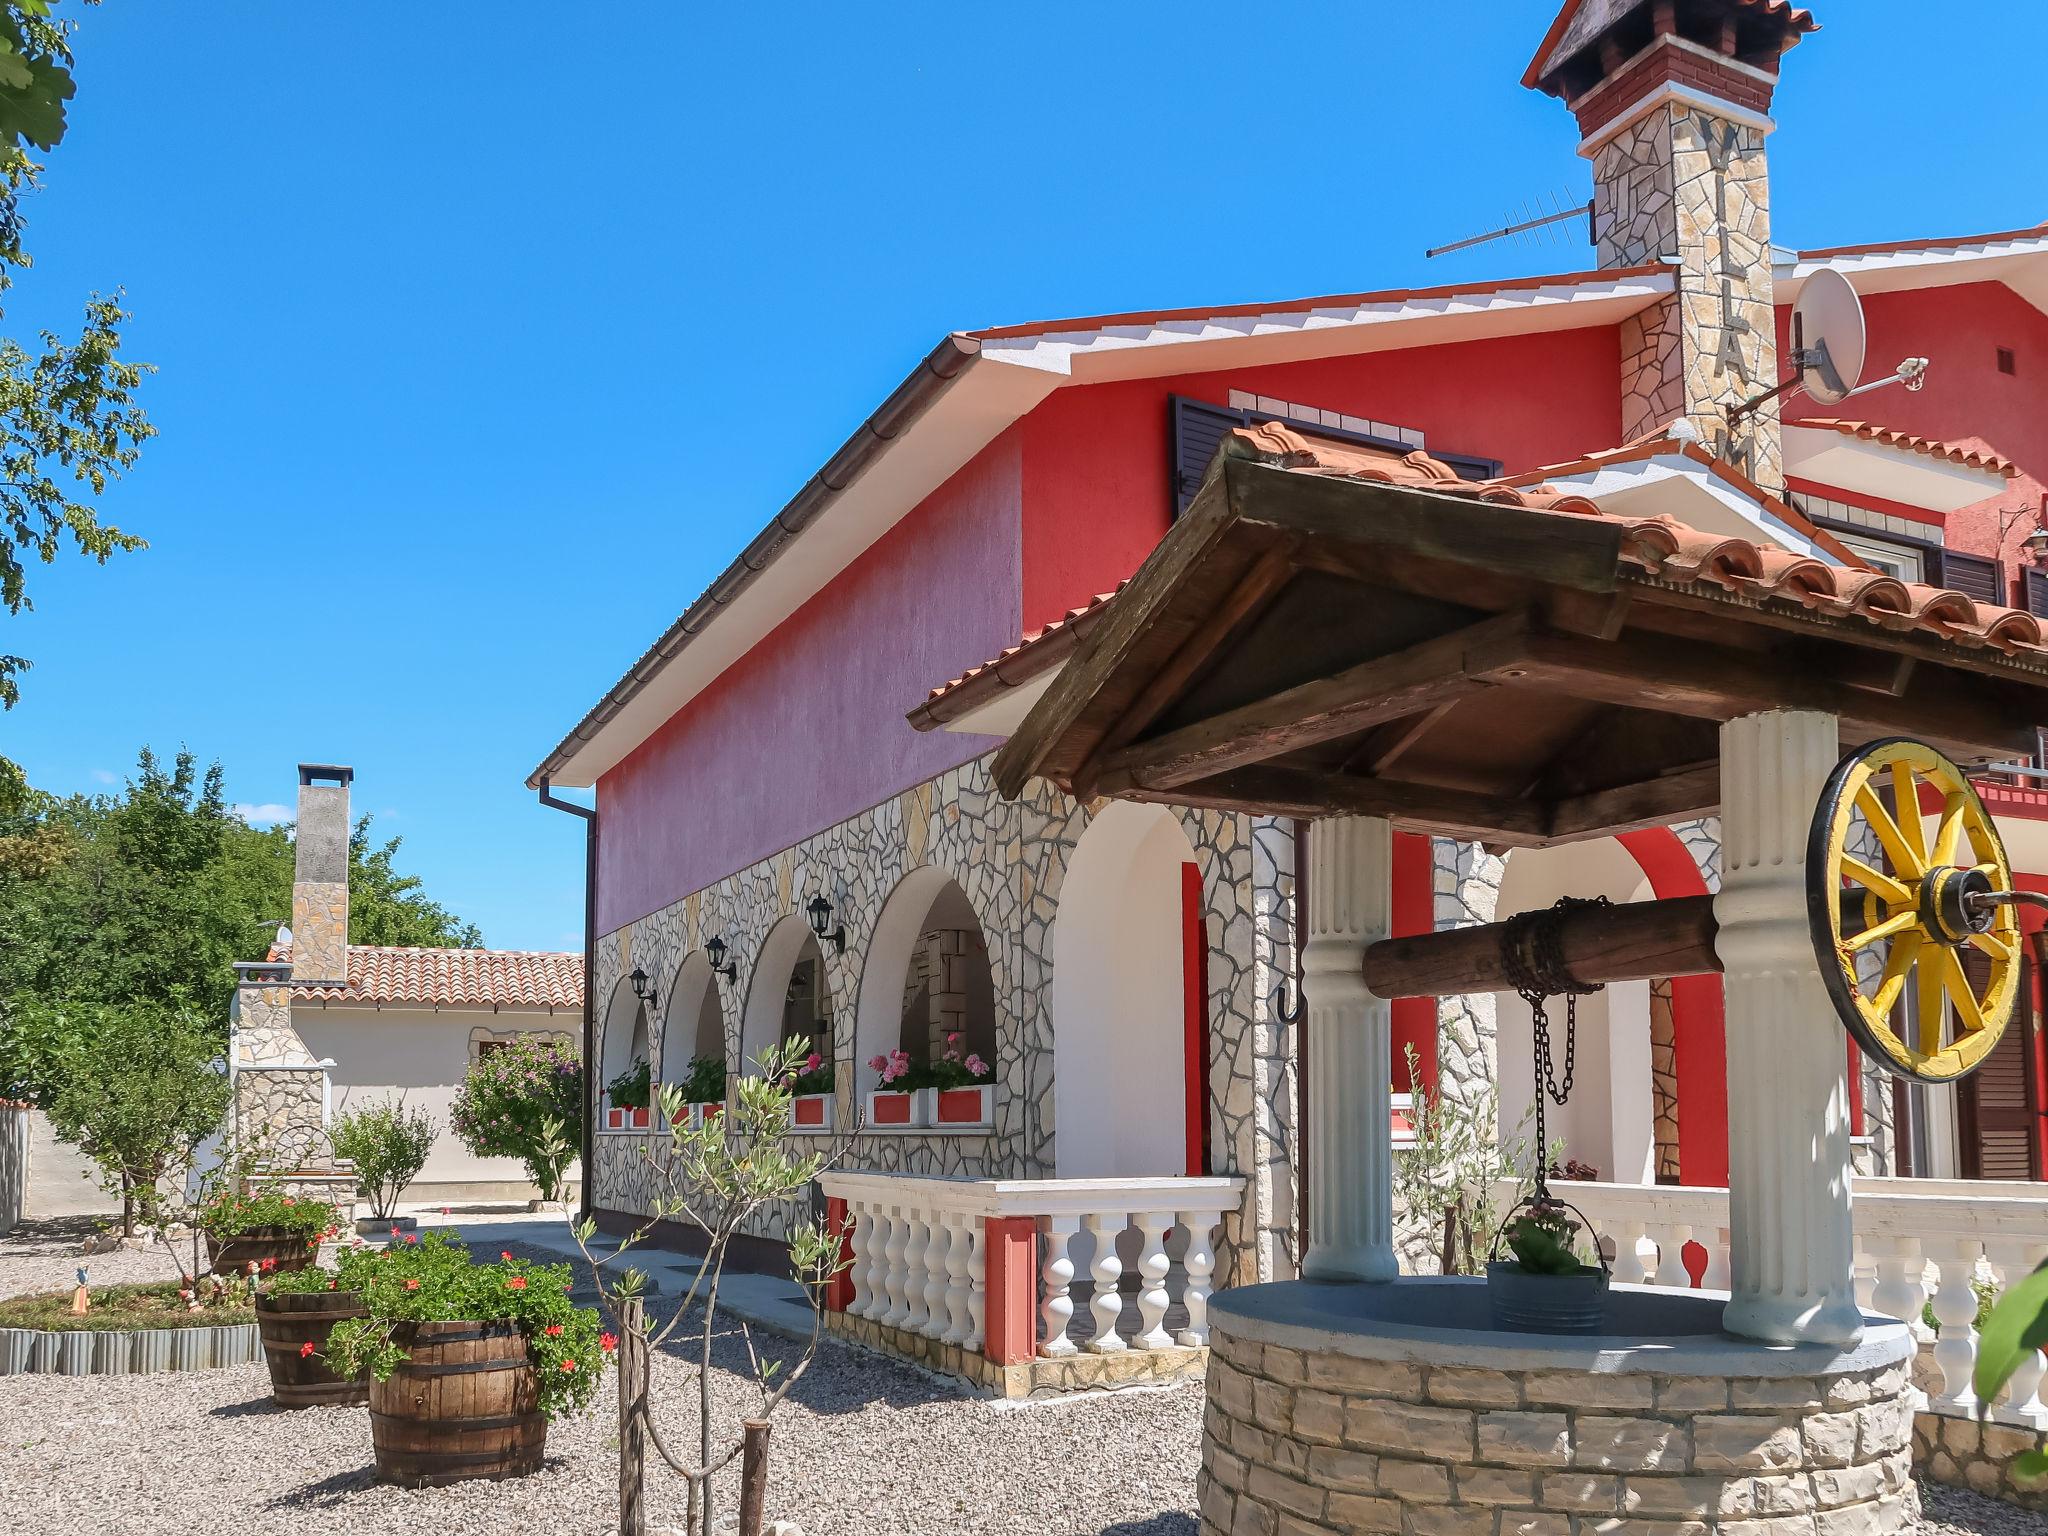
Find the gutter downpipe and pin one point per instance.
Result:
(586, 1149)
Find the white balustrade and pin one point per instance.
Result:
(921, 1255)
(1921, 1245)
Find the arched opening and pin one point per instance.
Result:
(1126, 958)
(624, 1044)
(789, 996)
(1609, 1122)
(926, 979)
(693, 1031)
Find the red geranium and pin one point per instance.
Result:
(607, 1342)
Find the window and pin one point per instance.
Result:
(2007, 363)
(485, 1047)
(1900, 560)
(1197, 429)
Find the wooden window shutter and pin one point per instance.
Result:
(2035, 589)
(1973, 576)
(1995, 1104)
(1198, 430)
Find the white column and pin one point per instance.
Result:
(1350, 1068)
(1791, 1245)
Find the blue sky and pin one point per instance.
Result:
(485, 341)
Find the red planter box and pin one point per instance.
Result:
(888, 1107)
(616, 1119)
(640, 1118)
(812, 1112)
(963, 1107)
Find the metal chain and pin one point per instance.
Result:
(1532, 954)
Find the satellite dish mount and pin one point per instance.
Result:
(1829, 346)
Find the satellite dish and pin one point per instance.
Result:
(1828, 337)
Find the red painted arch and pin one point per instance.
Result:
(1698, 1026)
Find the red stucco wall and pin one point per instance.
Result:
(1095, 456)
(807, 729)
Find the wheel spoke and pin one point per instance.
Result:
(1950, 833)
(1931, 997)
(1903, 856)
(1896, 969)
(1956, 983)
(1992, 945)
(1893, 893)
(1906, 807)
(1884, 930)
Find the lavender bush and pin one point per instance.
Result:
(511, 1096)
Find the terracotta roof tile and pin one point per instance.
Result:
(1969, 458)
(391, 975)
(1042, 647)
(1658, 546)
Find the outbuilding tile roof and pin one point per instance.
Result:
(1969, 458)
(391, 975)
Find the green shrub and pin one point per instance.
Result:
(630, 1089)
(508, 1100)
(388, 1144)
(236, 1211)
(705, 1081)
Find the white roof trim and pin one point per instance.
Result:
(1676, 486)
(2020, 261)
(1001, 715)
(1885, 470)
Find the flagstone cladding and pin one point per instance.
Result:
(1010, 860)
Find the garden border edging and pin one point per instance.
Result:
(126, 1351)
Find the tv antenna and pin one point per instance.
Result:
(1829, 346)
(1522, 226)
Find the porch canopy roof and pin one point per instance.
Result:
(1319, 636)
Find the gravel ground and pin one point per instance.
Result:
(864, 1448)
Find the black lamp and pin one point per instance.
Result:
(720, 966)
(642, 988)
(820, 911)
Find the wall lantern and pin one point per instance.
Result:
(821, 917)
(642, 988)
(720, 966)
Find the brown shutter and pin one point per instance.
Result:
(2034, 590)
(1197, 432)
(1995, 1104)
(1973, 576)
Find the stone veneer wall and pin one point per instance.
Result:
(279, 1089)
(1680, 183)
(1010, 859)
(1298, 1444)
(1964, 1453)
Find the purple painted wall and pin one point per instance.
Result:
(807, 729)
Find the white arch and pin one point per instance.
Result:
(1118, 1000)
(788, 942)
(693, 1018)
(906, 916)
(624, 1039)
(1611, 1119)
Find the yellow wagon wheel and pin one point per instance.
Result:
(1906, 877)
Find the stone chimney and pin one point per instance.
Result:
(320, 879)
(1673, 99)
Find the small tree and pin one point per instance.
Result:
(388, 1144)
(715, 1177)
(1447, 1180)
(511, 1098)
(142, 1087)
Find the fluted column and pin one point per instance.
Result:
(1791, 1246)
(1350, 1067)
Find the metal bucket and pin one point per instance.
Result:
(1526, 1303)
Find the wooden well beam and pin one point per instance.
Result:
(1636, 941)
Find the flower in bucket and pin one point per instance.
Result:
(438, 1280)
(306, 1350)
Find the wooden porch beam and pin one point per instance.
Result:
(1271, 791)
(1392, 687)
(1632, 807)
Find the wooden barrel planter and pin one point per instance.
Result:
(233, 1255)
(289, 1323)
(466, 1405)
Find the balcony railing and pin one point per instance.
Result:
(1012, 1268)
(1921, 1244)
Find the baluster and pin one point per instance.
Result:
(916, 1253)
(1200, 1263)
(2015, 1259)
(953, 1297)
(1716, 1277)
(938, 1283)
(898, 1273)
(1152, 1267)
(860, 1272)
(878, 1266)
(1955, 1309)
(1671, 1271)
(1629, 1267)
(977, 1284)
(1057, 1274)
(1900, 1290)
(1865, 1275)
(1107, 1300)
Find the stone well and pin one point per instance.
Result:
(1396, 1409)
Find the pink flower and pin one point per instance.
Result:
(813, 1062)
(412, 1237)
(976, 1065)
(953, 1037)
(878, 1064)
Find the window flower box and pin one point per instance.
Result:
(811, 1112)
(703, 1114)
(617, 1119)
(971, 1108)
(900, 1109)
